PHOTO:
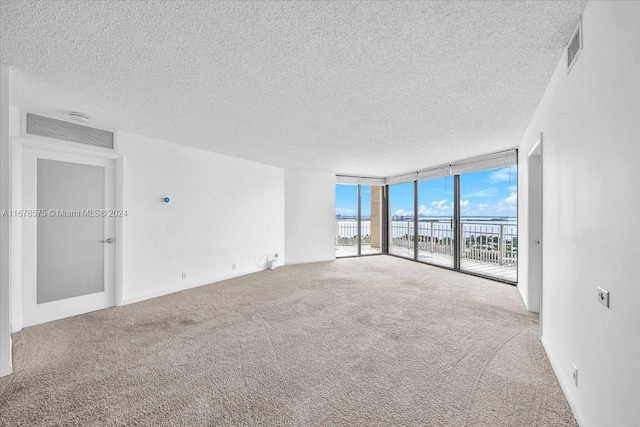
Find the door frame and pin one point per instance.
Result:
(535, 231)
(383, 221)
(17, 261)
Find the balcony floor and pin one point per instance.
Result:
(345, 250)
(503, 272)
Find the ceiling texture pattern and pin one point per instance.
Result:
(363, 88)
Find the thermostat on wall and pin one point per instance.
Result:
(166, 200)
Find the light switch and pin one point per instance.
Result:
(603, 297)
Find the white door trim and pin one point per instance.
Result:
(534, 261)
(6, 367)
(17, 261)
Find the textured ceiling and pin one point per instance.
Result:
(371, 88)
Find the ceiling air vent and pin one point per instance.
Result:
(575, 46)
(58, 129)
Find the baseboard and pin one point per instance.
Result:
(187, 286)
(563, 386)
(308, 262)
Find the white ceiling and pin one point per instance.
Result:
(370, 88)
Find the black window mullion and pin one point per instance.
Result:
(385, 219)
(415, 220)
(359, 233)
(456, 222)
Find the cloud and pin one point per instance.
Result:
(345, 211)
(444, 208)
(486, 192)
(425, 211)
(436, 208)
(505, 206)
(401, 212)
(502, 175)
(439, 204)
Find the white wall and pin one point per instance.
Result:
(309, 216)
(5, 204)
(590, 119)
(223, 211)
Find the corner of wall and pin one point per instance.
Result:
(563, 386)
(309, 216)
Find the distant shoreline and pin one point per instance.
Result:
(437, 219)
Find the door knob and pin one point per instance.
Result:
(109, 240)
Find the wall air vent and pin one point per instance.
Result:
(575, 46)
(65, 131)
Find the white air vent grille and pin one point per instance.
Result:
(58, 129)
(574, 47)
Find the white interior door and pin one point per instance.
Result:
(68, 235)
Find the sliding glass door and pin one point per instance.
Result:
(358, 220)
(370, 219)
(346, 226)
(436, 221)
(489, 223)
(463, 217)
(401, 220)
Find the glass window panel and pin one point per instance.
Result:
(346, 228)
(435, 221)
(371, 219)
(488, 203)
(401, 227)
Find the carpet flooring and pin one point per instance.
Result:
(375, 341)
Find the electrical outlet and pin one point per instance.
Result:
(575, 375)
(233, 266)
(603, 297)
(276, 255)
(184, 276)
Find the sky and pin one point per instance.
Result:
(486, 193)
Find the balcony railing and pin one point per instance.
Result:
(488, 247)
(347, 233)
